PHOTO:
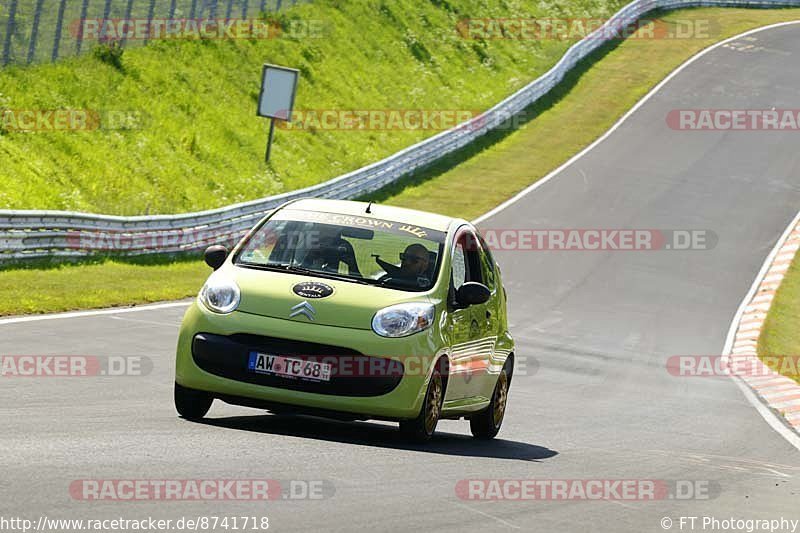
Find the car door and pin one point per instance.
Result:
(459, 325)
(483, 316)
(471, 346)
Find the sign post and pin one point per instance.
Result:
(269, 139)
(276, 101)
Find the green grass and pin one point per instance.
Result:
(100, 284)
(466, 184)
(197, 143)
(781, 332)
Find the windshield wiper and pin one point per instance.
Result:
(330, 275)
(295, 269)
(402, 284)
(261, 266)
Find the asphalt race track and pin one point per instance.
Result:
(597, 328)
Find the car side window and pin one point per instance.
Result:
(459, 264)
(466, 260)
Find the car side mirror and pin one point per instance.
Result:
(215, 256)
(472, 293)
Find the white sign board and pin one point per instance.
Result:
(278, 88)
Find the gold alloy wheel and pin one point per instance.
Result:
(501, 396)
(433, 405)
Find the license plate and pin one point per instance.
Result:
(280, 365)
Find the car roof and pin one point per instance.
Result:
(387, 212)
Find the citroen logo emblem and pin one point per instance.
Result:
(305, 309)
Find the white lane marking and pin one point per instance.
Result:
(148, 322)
(718, 461)
(625, 505)
(779, 473)
(625, 117)
(97, 312)
(487, 515)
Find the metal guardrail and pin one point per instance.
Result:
(35, 234)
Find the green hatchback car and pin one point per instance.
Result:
(352, 311)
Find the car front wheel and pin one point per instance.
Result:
(486, 424)
(422, 428)
(192, 404)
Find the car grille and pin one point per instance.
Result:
(352, 373)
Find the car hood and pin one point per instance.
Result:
(352, 305)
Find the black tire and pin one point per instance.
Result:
(486, 424)
(422, 428)
(192, 404)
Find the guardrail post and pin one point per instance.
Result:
(150, 13)
(106, 15)
(10, 27)
(34, 31)
(128, 13)
(59, 25)
(79, 37)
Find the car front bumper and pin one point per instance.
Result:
(213, 349)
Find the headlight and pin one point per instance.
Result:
(220, 294)
(403, 319)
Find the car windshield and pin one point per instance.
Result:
(360, 249)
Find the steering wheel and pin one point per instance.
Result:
(391, 270)
(385, 277)
(417, 281)
(348, 257)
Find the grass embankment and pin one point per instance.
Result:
(468, 183)
(184, 133)
(780, 335)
